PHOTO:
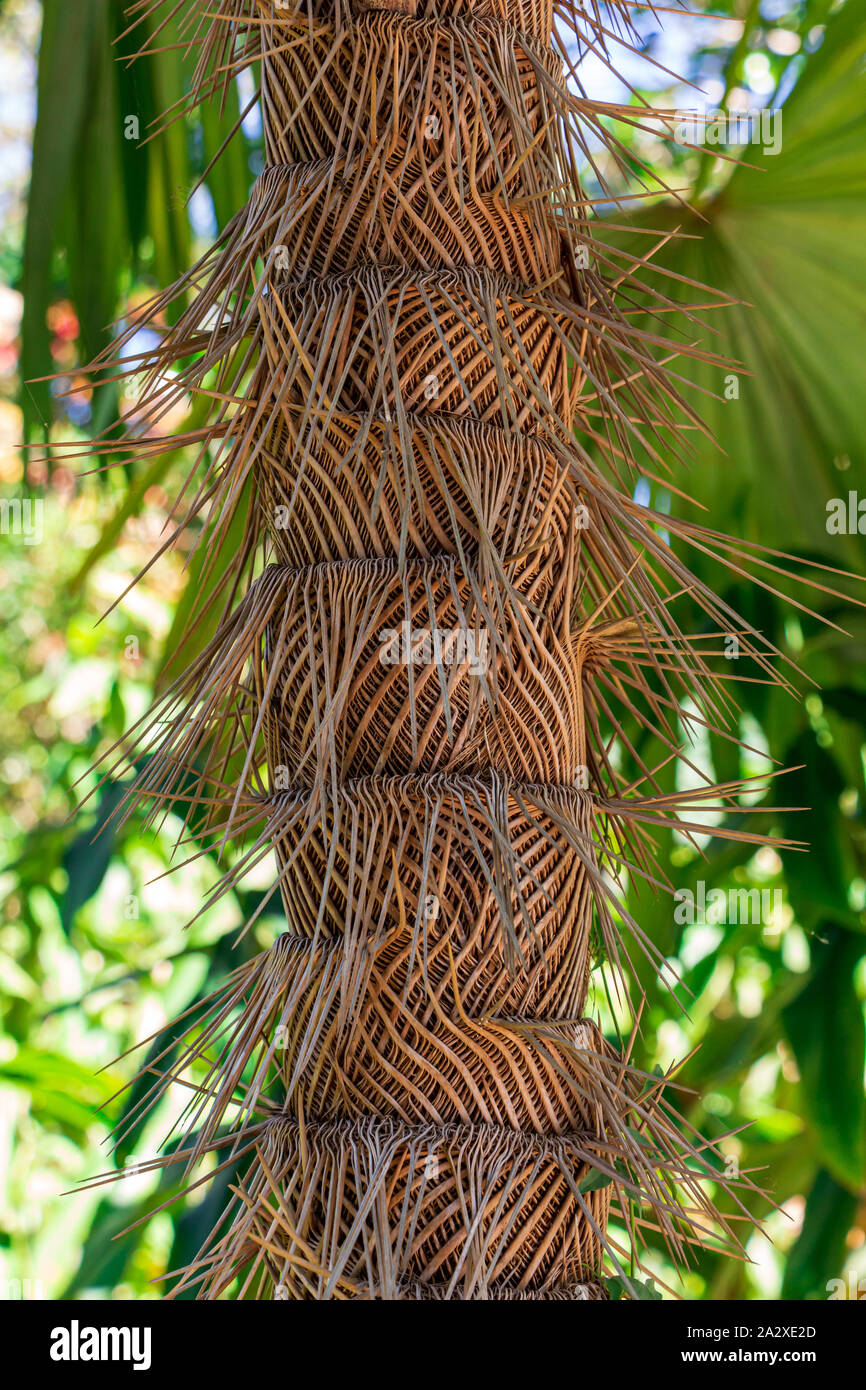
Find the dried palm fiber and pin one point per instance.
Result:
(426, 392)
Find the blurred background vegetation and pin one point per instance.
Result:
(93, 953)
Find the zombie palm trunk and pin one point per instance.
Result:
(427, 400)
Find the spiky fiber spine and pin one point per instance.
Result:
(416, 352)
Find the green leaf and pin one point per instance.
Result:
(87, 858)
(594, 1181)
(786, 239)
(818, 1254)
(640, 1290)
(133, 501)
(135, 97)
(98, 241)
(60, 1090)
(195, 1224)
(826, 1030)
(198, 612)
(229, 179)
(818, 880)
(169, 169)
(62, 99)
(105, 1256)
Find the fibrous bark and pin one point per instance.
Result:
(428, 394)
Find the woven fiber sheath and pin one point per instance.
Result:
(426, 400)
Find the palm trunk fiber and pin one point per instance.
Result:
(426, 403)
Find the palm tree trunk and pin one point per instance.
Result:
(428, 400)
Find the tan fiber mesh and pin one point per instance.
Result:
(425, 394)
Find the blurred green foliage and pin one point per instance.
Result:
(94, 955)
